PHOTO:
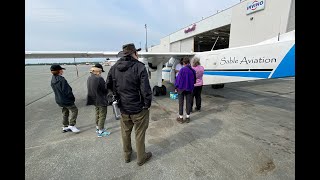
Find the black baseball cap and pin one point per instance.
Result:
(99, 66)
(56, 67)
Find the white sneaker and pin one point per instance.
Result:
(65, 129)
(74, 129)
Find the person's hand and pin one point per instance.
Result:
(147, 108)
(175, 90)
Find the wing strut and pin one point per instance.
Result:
(215, 43)
(74, 60)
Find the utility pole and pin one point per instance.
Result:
(145, 25)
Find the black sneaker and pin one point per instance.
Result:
(180, 120)
(188, 120)
(148, 156)
(127, 160)
(197, 109)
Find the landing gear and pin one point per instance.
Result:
(163, 90)
(217, 86)
(159, 90)
(156, 90)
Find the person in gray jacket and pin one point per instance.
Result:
(97, 96)
(64, 98)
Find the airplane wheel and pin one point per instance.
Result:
(163, 90)
(156, 90)
(217, 86)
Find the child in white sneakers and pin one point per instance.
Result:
(64, 98)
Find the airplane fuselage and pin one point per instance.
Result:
(260, 61)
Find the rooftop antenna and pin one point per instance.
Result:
(279, 29)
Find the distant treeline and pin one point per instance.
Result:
(71, 63)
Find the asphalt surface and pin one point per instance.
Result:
(245, 131)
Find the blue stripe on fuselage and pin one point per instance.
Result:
(287, 66)
(239, 74)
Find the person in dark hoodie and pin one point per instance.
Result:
(133, 90)
(64, 98)
(97, 93)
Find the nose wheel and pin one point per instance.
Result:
(159, 90)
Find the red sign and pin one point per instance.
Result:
(190, 29)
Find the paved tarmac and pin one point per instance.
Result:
(245, 131)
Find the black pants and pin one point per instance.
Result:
(196, 94)
(181, 95)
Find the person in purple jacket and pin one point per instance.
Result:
(184, 86)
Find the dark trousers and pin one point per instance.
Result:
(140, 122)
(196, 94)
(65, 115)
(181, 95)
(101, 114)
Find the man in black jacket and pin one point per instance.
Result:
(133, 90)
(97, 93)
(64, 98)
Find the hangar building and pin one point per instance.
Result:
(246, 23)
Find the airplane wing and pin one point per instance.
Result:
(68, 54)
(152, 58)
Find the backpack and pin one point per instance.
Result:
(194, 74)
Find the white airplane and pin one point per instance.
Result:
(273, 58)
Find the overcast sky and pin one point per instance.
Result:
(105, 25)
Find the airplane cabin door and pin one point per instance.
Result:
(211, 61)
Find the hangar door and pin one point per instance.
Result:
(185, 45)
